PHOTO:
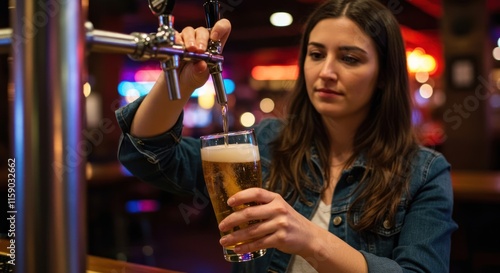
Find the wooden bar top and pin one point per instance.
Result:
(104, 265)
(476, 186)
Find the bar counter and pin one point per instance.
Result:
(476, 186)
(103, 265)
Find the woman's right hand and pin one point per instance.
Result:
(157, 113)
(194, 74)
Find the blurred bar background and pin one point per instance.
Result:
(453, 49)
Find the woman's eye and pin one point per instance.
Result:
(350, 60)
(314, 55)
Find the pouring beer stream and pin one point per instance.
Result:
(212, 15)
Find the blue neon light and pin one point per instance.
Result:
(142, 88)
(145, 205)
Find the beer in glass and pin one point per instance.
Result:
(231, 162)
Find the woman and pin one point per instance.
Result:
(346, 186)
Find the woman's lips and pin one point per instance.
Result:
(328, 92)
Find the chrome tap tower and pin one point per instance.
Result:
(47, 124)
(161, 46)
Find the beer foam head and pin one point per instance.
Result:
(231, 153)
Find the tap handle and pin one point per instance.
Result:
(211, 12)
(214, 47)
(161, 7)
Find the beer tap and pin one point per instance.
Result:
(215, 48)
(166, 37)
(161, 45)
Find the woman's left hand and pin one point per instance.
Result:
(279, 226)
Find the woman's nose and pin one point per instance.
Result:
(329, 70)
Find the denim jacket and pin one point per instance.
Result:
(418, 241)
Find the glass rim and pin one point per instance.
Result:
(222, 134)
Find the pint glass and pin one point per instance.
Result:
(231, 163)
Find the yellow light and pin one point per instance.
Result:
(418, 61)
(206, 95)
(87, 89)
(89, 172)
(413, 59)
(206, 100)
(267, 105)
(247, 119)
(428, 64)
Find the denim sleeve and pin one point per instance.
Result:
(169, 161)
(425, 239)
(378, 264)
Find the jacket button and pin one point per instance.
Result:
(337, 220)
(387, 224)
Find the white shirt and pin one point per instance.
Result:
(321, 218)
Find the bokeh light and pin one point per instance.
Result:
(247, 119)
(426, 91)
(281, 19)
(422, 76)
(87, 89)
(419, 61)
(496, 53)
(266, 105)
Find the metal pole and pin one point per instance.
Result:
(47, 50)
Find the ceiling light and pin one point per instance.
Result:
(281, 19)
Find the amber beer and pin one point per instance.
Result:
(231, 163)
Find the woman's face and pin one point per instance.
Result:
(341, 69)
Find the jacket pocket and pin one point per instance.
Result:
(384, 237)
(391, 227)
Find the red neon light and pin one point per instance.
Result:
(275, 72)
(147, 75)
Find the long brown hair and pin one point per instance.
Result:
(385, 138)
